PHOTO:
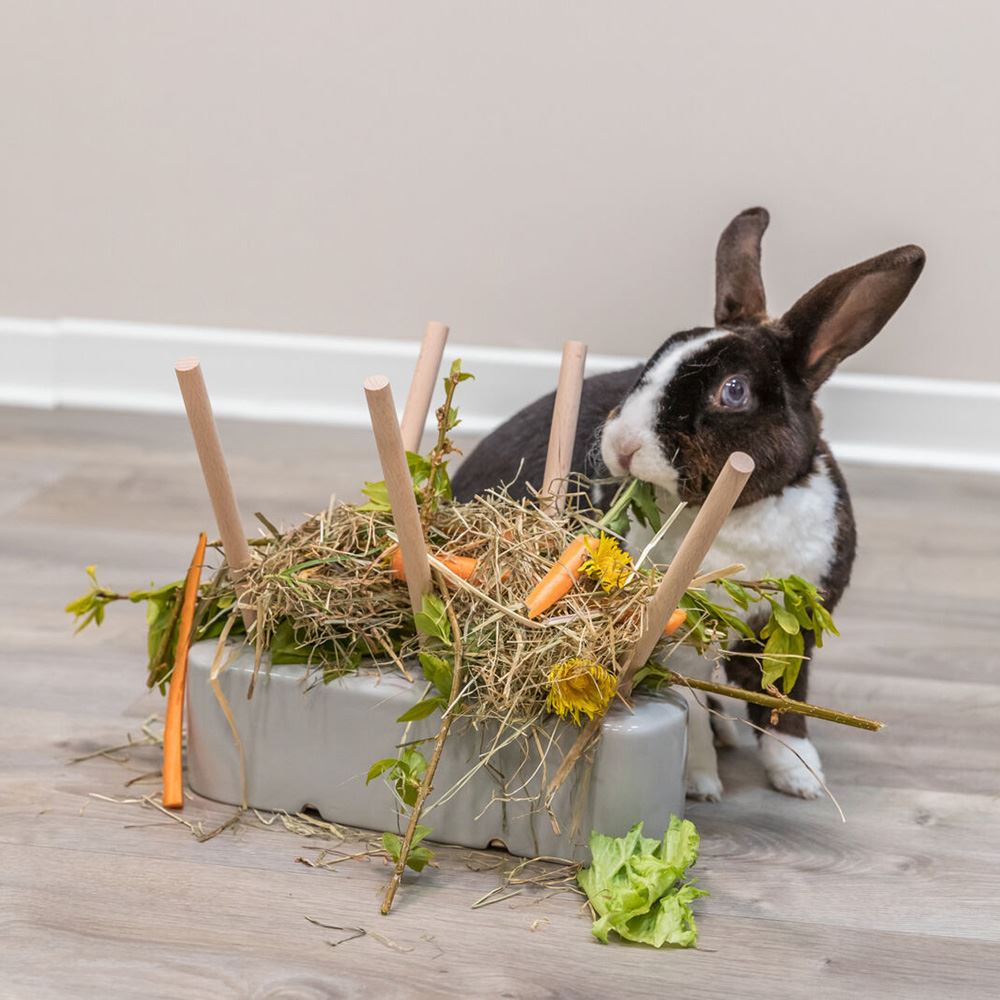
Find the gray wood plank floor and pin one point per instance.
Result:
(109, 900)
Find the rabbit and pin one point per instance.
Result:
(747, 383)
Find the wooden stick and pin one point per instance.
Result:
(693, 549)
(685, 564)
(418, 401)
(216, 474)
(399, 486)
(562, 433)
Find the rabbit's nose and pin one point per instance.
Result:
(626, 452)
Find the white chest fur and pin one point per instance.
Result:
(792, 533)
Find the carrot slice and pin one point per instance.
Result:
(463, 566)
(675, 621)
(173, 780)
(559, 580)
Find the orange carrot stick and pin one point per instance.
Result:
(463, 566)
(173, 781)
(559, 580)
(675, 621)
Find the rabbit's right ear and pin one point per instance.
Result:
(739, 288)
(843, 312)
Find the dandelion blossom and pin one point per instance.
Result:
(578, 686)
(607, 564)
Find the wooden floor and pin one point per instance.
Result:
(107, 900)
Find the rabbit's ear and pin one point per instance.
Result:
(739, 290)
(843, 312)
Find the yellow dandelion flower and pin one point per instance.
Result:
(607, 564)
(578, 686)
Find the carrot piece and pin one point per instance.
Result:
(558, 581)
(173, 780)
(463, 566)
(675, 621)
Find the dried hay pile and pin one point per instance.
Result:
(330, 577)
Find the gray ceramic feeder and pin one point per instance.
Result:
(314, 748)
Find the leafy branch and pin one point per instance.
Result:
(163, 604)
(429, 473)
(653, 674)
(437, 621)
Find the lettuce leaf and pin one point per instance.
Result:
(638, 888)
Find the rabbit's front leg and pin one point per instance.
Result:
(788, 755)
(701, 772)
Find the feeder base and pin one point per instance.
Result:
(314, 748)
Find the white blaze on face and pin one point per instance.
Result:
(631, 433)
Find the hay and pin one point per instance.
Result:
(329, 577)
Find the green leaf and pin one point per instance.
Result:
(618, 524)
(419, 832)
(785, 619)
(442, 483)
(378, 497)
(418, 858)
(380, 767)
(637, 886)
(420, 467)
(422, 709)
(159, 615)
(414, 762)
(644, 505)
(393, 844)
(432, 619)
(737, 592)
(778, 661)
(285, 647)
(698, 601)
(438, 671)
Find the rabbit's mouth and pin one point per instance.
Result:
(629, 453)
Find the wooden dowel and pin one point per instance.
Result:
(399, 486)
(418, 401)
(686, 563)
(562, 433)
(216, 474)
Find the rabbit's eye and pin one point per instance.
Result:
(735, 393)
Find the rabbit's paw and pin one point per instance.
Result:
(702, 772)
(785, 759)
(703, 785)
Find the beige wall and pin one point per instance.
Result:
(525, 171)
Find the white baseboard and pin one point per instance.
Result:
(96, 364)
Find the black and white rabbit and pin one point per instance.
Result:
(746, 384)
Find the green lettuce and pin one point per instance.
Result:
(638, 888)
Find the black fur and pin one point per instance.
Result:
(514, 454)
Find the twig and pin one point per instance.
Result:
(427, 783)
(352, 932)
(267, 524)
(778, 703)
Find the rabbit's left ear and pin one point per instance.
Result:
(843, 312)
(739, 288)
